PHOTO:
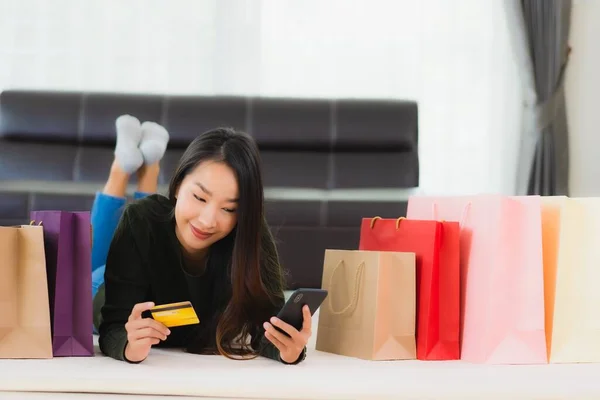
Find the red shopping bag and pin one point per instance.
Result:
(436, 246)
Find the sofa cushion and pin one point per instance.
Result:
(282, 213)
(44, 116)
(93, 164)
(100, 111)
(302, 251)
(37, 161)
(368, 125)
(296, 169)
(14, 206)
(286, 124)
(353, 170)
(189, 116)
(168, 165)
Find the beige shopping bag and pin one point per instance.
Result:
(24, 307)
(571, 254)
(371, 307)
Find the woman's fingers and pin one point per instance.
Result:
(281, 337)
(280, 346)
(307, 321)
(138, 309)
(146, 328)
(147, 332)
(139, 328)
(147, 323)
(290, 330)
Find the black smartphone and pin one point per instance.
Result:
(291, 312)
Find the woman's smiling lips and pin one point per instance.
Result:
(200, 234)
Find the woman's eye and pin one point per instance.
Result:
(200, 199)
(229, 210)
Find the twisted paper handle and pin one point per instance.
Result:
(378, 217)
(350, 307)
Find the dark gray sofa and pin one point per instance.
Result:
(327, 163)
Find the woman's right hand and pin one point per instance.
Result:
(142, 333)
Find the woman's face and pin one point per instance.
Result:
(206, 207)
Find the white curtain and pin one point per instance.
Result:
(108, 45)
(453, 57)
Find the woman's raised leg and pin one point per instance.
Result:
(106, 213)
(108, 204)
(147, 180)
(139, 148)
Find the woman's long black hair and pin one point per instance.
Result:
(256, 277)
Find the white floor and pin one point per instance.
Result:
(167, 374)
(321, 376)
(86, 396)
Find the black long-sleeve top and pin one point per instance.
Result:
(146, 263)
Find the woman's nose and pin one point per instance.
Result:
(207, 220)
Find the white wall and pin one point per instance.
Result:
(582, 91)
(453, 57)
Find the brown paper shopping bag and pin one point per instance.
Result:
(24, 308)
(371, 307)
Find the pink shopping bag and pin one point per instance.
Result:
(502, 276)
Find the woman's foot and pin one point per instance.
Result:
(127, 152)
(153, 142)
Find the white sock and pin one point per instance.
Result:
(154, 142)
(128, 155)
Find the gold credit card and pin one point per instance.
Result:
(174, 314)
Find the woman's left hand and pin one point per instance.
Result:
(290, 348)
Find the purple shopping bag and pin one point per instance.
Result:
(67, 243)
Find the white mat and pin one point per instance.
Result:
(89, 396)
(321, 376)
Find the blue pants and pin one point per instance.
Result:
(105, 216)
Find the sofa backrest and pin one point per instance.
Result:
(275, 123)
(314, 143)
